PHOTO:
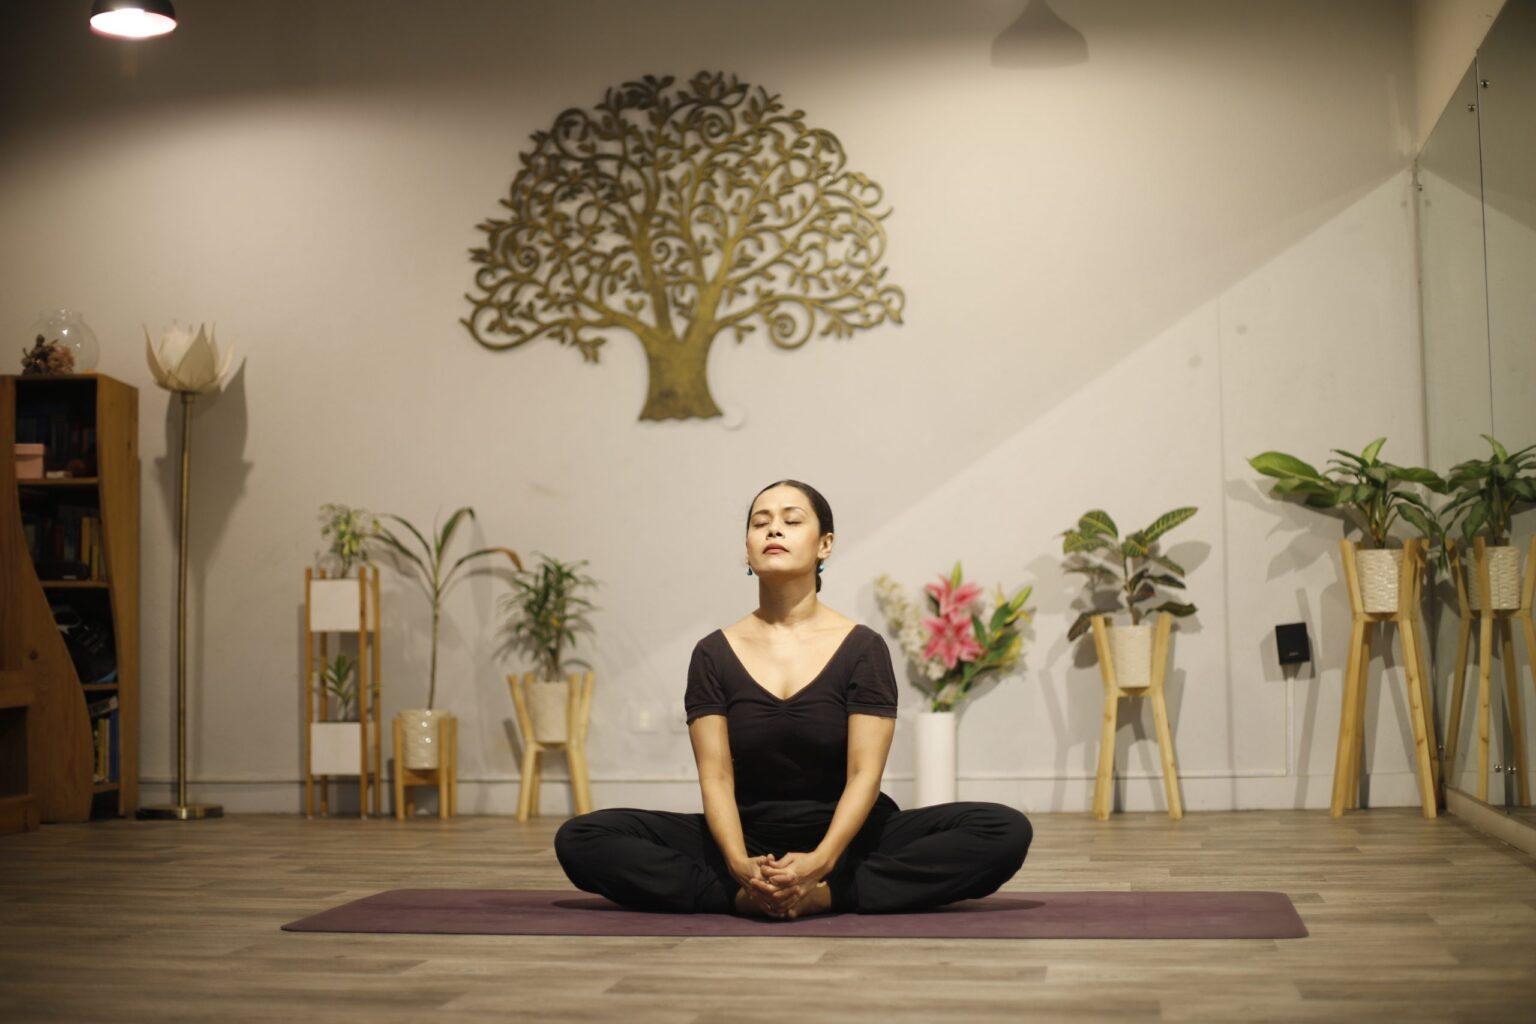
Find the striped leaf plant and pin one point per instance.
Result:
(1131, 567)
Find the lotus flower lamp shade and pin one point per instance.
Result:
(132, 19)
(187, 364)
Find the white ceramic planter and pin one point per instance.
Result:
(1130, 648)
(420, 728)
(549, 707)
(1503, 577)
(335, 605)
(1379, 571)
(335, 748)
(935, 758)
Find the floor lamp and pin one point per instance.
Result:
(187, 365)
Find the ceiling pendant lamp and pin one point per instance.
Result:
(132, 19)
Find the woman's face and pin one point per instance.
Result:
(782, 534)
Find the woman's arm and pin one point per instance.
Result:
(869, 742)
(717, 782)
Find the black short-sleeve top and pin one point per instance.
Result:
(795, 748)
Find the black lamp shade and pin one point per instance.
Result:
(132, 19)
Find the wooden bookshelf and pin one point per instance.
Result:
(47, 742)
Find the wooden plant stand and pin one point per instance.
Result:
(1347, 761)
(320, 620)
(578, 710)
(1103, 788)
(445, 776)
(1491, 621)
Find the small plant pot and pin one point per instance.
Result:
(935, 758)
(337, 605)
(1130, 648)
(1503, 578)
(335, 748)
(549, 707)
(1379, 571)
(420, 728)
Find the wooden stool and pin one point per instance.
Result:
(1103, 793)
(1347, 761)
(1491, 620)
(445, 776)
(577, 709)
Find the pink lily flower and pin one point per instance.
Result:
(953, 599)
(952, 639)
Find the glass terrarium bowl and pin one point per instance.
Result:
(67, 329)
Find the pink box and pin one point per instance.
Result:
(29, 461)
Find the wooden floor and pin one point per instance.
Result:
(161, 921)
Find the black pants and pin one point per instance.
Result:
(899, 860)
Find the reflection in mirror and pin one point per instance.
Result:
(1456, 373)
(1506, 66)
(1477, 243)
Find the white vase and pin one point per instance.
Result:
(1503, 578)
(1379, 572)
(549, 707)
(335, 748)
(1130, 649)
(935, 758)
(420, 727)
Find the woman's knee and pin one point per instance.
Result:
(574, 836)
(1014, 831)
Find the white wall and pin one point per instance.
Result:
(1123, 278)
(1446, 35)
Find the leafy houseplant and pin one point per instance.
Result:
(428, 567)
(544, 613)
(955, 644)
(1364, 489)
(1135, 573)
(349, 531)
(335, 744)
(1370, 493)
(1132, 565)
(1487, 494)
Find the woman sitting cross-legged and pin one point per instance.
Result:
(791, 712)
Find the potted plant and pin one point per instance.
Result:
(964, 636)
(1371, 494)
(544, 614)
(1135, 574)
(421, 724)
(334, 601)
(1487, 493)
(335, 744)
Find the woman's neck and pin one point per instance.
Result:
(787, 605)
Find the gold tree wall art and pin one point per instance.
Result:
(676, 216)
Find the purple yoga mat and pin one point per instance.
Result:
(1006, 915)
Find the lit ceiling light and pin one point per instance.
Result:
(132, 19)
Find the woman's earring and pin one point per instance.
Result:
(749, 570)
(820, 567)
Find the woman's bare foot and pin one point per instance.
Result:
(748, 907)
(817, 901)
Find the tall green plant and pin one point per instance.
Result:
(545, 612)
(1362, 488)
(1488, 492)
(1131, 566)
(428, 567)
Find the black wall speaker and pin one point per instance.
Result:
(1292, 643)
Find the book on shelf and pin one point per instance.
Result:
(65, 542)
(70, 444)
(104, 734)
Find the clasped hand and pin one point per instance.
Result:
(778, 885)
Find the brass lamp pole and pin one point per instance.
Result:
(194, 371)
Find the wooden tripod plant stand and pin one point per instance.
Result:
(342, 605)
(577, 711)
(445, 776)
(1405, 615)
(1491, 621)
(1103, 792)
